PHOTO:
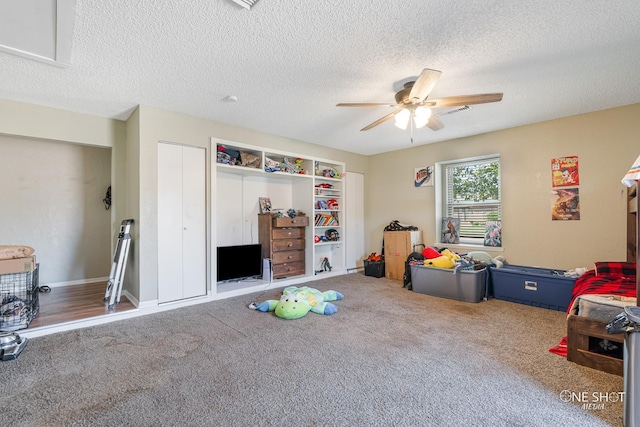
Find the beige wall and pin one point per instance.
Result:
(52, 201)
(606, 143)
(134, 164)
(19, 118)
(159, 125)
(27, 124)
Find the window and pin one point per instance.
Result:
(472, 193)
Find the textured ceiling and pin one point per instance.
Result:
(289, 63)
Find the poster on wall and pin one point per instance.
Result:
(449, 230)
(423, 177)
(565, 204)
(493, 234)
(564, 172)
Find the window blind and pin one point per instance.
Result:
(472, 207)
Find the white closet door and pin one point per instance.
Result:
(169, 222)
(355, 219)
(193, 223)
(181, 222)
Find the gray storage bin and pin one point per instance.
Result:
(463, 285)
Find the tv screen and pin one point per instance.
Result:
(239, 262)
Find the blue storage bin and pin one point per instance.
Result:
(539, 287)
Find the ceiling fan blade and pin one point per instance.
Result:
(434, 123)
(380, 120)
(457, 101)
(424, 85)
(366, 104)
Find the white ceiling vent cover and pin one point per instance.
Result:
(245, 3)
(457, 110)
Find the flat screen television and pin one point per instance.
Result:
(239, 262)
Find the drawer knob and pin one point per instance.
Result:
(289, 244)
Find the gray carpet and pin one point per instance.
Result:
(388, 357)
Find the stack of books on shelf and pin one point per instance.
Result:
(326, 220)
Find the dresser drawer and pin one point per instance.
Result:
(287, 233)
(285, 221)
(287, 245)
(288, 269)
(287, 256)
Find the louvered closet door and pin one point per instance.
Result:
(181, 222)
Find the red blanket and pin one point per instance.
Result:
(614, 279)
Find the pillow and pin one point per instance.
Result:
(615, 269)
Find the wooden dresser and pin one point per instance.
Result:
(282, 241)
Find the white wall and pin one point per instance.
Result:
(237, 205)
(52, 200)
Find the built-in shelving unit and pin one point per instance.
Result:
(314, 186)
(328, 210)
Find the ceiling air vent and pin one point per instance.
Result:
(245, 3)
(457, 110)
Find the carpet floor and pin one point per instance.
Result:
(388, 357)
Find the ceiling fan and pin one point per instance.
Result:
(414, 108)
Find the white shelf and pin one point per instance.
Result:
(327, 178)
(238, 221)
(238, 169)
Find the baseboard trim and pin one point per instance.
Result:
(76, 282)
(153, 306)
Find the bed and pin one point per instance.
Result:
(598, 297)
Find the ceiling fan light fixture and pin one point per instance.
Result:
(421, 116)
(402, 119)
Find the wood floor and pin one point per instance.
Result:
(77, 302)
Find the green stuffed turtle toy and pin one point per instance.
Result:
(296, 302)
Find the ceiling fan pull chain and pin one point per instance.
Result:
(411, 126)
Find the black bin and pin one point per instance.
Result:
(374, 268)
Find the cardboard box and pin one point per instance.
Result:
(397, 247)
(17, 265)
(539, 287)
(464, 285)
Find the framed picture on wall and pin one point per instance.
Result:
(265, 204)
(423, 177)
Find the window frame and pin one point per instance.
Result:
(441, 205)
